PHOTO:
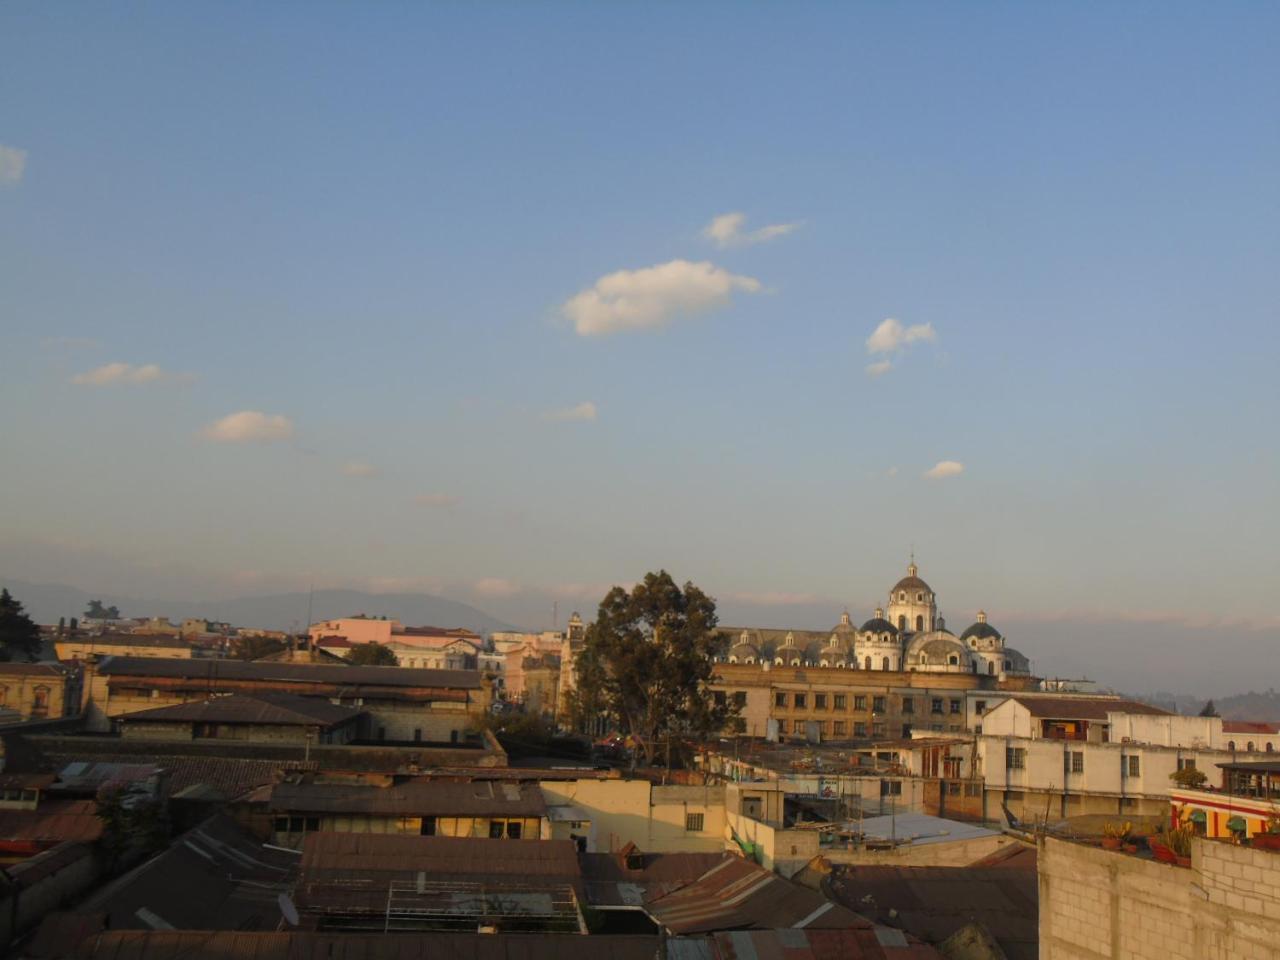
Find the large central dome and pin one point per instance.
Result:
(911, 582)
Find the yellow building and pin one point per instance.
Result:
(39, 691)
(81, 647)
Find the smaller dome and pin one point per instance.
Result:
(741, 650)
(879, 625)
(911, 581)
(980, 629)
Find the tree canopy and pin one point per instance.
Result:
(372, 655)
(1209, 710)
(255, 647)
(19, 635)
(97, 611)
(646, 663)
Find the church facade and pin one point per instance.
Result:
(908, 635)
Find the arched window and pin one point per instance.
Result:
(974, 665)
(919, 623)
(732, 658)
(41, 701)
(867, 665)
(919, 598)
(1007, 666)
(924, 658)
(1270, 747)
(885, 664)
(824, 664)
(1231, 745)
(902, 622)
(991, 669)
(953, 660)
(1249, 746)
(795, 663)
(903, 596)
(778, 661)
(751, 660)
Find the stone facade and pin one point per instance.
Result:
(39, 691)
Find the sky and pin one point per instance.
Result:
(511, 302)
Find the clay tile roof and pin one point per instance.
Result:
(1084, 708)
(272, 709)
(423, 798)
(266, 671)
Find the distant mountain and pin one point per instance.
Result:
(46, 602)
(1263, 707)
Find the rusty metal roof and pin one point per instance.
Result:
(301, 673)
(350, 853)
(55, 820)
(202, 945)
(439, 798)
(739, 895)
(879, 943)
(272, 709)
(610, 883)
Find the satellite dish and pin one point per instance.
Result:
(288, 909)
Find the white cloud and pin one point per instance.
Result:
(891, 335)
(727, 230)
(879, 368)
(436, 499)
(114, 373)
(584, 412)
(653, 296)
(354, 468)
(250, 425)
(13, 163)
(943, 469)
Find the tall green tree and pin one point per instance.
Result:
(255, 647)
(647, 663)
(19, 635)
(1209, 710)
(372, 655)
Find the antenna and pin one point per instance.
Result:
(288, 909)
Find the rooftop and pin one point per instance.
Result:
(421, 798)
(1084, 708)
(262, 670)
(920, 828)
(348, 855)
(276, 709)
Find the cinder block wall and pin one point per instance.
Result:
(1101, 904)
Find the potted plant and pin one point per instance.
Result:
(1270, 840)
(1115, 834)
(1178, 839)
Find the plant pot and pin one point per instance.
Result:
(1161, 852)
(1110, 843)
(1183, 861)
(1129, 847)
(1265, 841)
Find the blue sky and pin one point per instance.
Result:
(370, 223)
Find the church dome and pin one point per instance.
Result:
(742, 650)
(980, 629)
(912, 582)
(878, 624)
(938, 648)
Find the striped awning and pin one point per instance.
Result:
(1197, 816)
(1236, 823)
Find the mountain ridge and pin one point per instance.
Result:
(47, 602)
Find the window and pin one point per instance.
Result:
(890, 788)
(495, 829)
(953, 660)
(956, 706)
(798, 727)
(693, 822)
(980, 707)
(513, 829)
(1015, 758)
(877, 704)
(991, 669)
(935, 705)
(977, 728)
(801, 701)
(1249, 746)
(840, 701)
(859, 729)
(1073, 761)
(859, 702)
(902, 622)
(428, 828)
(780, 700)
(867, 664)
(719, 697)
(884, 664)
(838, 728)
(908, 705)
(906, 730)
(819, 701)
(1231, 745)
(1186, 763)
(1006, 666)
(919, 598)
(1135, 766)
(878, 728)
(919, 624)
(41, 702)
(739, 698)
(953, 788)
(417, 734)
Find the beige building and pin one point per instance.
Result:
(80, 647)
(39, 691)
(1098, 904)
(612, 813)
(262, 718)
(406, 705)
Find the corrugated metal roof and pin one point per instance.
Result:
(349, 853)
(280, 709)
(609, 883)
(867, 943)
(55, 820)
(739, 895)
(262, 670)
(200, 945)
(419, 798)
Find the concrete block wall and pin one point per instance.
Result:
(1101, 904)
